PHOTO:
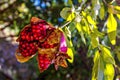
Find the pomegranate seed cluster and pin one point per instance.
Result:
(41, 37)
(30, 37)
(43, 62)
(27, 48)
(39, 30)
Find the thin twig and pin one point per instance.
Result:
(65, 24)
(105, 2)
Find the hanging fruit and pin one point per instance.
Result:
(49, 42)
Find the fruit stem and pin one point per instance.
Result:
(65, 24)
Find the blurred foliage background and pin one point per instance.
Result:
(14, 15)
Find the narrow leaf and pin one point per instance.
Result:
(70, 53)
(109, 72)
(90, 20)
(118, 56)
(78, 27)
(111, 26)
(94, 40)
(118, 15)
(107, 55)
(97, 71)
(102, 12)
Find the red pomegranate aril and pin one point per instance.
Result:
(31, 38)
(23, 37)
(38, 31)
(41, 61)
(35, 36)
(23, 45)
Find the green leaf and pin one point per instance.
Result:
(97, 71)
(111, 28)
(102, 70)
(102, 12)
(68, 32)
(70, 2)
(86, 28)
(70, 53)
(79, 28)
(94, 40)
(71, 26)
(117, 51)
(106, 54)
(67, 14)
(118, 56)
(79, 1)
(109, 72)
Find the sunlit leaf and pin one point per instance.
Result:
(111, 28)
(84, 13)
(94, 40)
(97, 71)
(117, 8)
(86, 28)
(114, 9)
(109, 72)
(67, 14)
(78, 27)
(107, 56)
(118, 15)
(90, 20)
(71, 16)
(103, 65)
(79, 1)
(70, 53)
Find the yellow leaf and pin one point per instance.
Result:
(111, 28)
(117, 7)
(90, 20)
(67, 14)
(118, 15)
(70, 53)
(98, 68)
(71, 16)
(78, 27)
(21, 58)
(83, 13)
(109, 72)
